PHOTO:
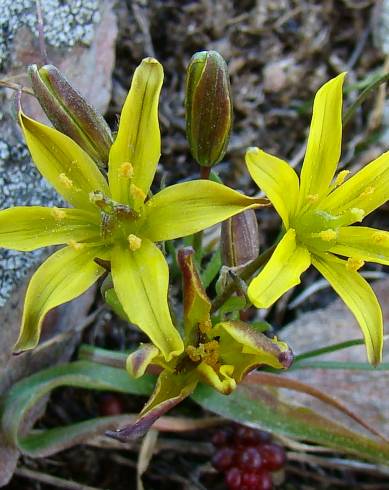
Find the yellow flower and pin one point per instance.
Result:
(219, 355)
(317, 212)
(112, 219)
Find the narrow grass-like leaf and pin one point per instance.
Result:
(261, 406)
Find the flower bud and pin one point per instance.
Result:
(70, 113)
(239, 239)
(208, 106)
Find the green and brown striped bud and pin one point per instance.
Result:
(239, 239)
(70, 113)
(208, 106)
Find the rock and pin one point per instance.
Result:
(364, 392)
(20, 182)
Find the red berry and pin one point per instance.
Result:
(221, 437)
(251, 481)
(273, 456)
(264, 480)
(245, 436)
(250, 459)
(233, 479)
(263, 436)
(250, 437)
(223, 459)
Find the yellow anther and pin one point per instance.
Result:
(68, 183)
(134, 242)
(340, 178)
(58, 214)
(312, 198)
(379, 237)
(208, 353)
(328, 235)
(126, 170)
(368, 191)
(75, 245)
(193, 353)
(211, 356)
(354, 264)
(137, 193)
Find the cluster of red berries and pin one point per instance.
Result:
(247, 457)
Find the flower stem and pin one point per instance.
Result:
(244, 274)
(198, 237)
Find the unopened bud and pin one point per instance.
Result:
(70, 113)
(208, 106)
(239, 239)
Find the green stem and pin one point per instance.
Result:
(362, 97)
(346, 365)
(198, 237)
(327, 349)
(244, 274)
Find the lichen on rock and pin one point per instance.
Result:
(65, 23)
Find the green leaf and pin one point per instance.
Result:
(235, 303)
(261, 405)
(24, 396)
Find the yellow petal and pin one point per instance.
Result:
(63, 163)
(324, 141)
(222, 380)
(365, 191)
(138, 141)
(140, 280)
(183, 209)
(369, 244)
(359, 297)
(197, 305)
(277, 179)
(271, 352)
(62, 277)
(139, 360)
(282, 272)
(29, 228)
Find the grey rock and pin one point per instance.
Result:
(80, 38)
(66, 23)
(21, 184)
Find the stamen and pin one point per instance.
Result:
(58, 214)
(211, 356)
(208, 353)
(137, 193)
(134, 242)
(379, 237)
(68, 183)
(358, 214)
(328, 235)
(75, 245)
(368, 191)
(193, 353)
(353, 264)
(341, 177)
(312, 198)
(126, 170)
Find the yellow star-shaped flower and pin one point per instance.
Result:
(112, 219)
(317, 211)
(219, 355)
